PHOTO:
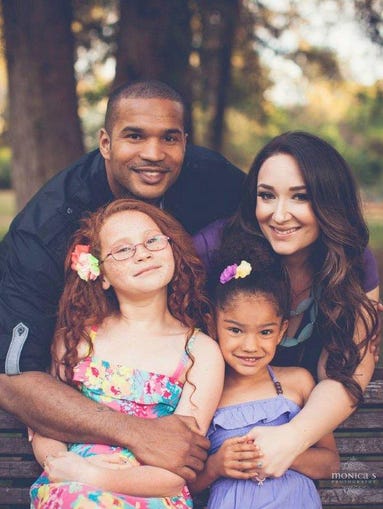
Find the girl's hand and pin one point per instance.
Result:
(67, 466)
(279, 444)
(237, 458)
(114, 461)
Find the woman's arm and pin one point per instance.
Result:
(320, 460)
(329, 400)
(199, 400)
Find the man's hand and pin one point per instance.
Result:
(174, 443)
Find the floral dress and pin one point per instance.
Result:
(132, 391)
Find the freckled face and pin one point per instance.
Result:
(249, 330)
(145, 150)
(283, 208)
(146, 271)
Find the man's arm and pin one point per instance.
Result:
(58, 411)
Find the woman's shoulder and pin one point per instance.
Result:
(370, 271)
(208, 240)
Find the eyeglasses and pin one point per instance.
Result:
(153, 243)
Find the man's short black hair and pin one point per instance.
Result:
(148, 89)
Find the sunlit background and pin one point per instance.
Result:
(315, 65)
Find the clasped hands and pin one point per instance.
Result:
(238, 458)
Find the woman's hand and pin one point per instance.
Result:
(279, 445)
(237, 458)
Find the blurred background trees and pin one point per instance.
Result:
(248, 69)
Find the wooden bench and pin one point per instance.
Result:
(358, 485)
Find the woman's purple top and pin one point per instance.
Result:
(305, 354)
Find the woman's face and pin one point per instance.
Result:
(145, 271)
(283, 209)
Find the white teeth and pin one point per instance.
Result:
(284, 232)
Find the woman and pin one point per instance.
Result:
(301, 197)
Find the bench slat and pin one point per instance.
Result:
(19, 470)
(15, 446)
(15, 496)
(365, 419)
(360, 445)
(349, 496)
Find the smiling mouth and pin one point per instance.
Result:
(287, 231)
(147, 269)
(150, 175)
(150, 170)
(249, 359)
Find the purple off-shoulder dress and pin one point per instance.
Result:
(292, 490)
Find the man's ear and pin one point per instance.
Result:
(104, 144)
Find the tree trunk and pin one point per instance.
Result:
(219, 22)
(45, 129)
(154, 42)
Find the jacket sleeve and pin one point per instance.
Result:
(30, 287)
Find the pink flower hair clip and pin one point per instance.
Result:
(84, 263)
(235, 271)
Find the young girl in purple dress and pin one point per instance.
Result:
(129, 337)
(252, 308)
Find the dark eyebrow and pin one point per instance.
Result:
(294, 188)
(239, 324)
(138, 130)
(234, 322)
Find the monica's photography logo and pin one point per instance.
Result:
(354, 473)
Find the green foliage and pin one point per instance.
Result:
(5, 167)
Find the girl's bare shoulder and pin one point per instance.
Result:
(296, 382)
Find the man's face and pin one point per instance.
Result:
(145, 150)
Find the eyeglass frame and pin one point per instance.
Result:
(134, 248)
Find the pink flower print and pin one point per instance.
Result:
(167, 394)
(95, 371)
(115, 391)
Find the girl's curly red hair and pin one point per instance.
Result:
(84, 304)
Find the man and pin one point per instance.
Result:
(143, 154)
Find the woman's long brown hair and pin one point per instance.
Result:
(336, 257)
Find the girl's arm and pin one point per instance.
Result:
(44, 446)
(199, 400)
(329, 400)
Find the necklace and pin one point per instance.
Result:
(312, 303)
